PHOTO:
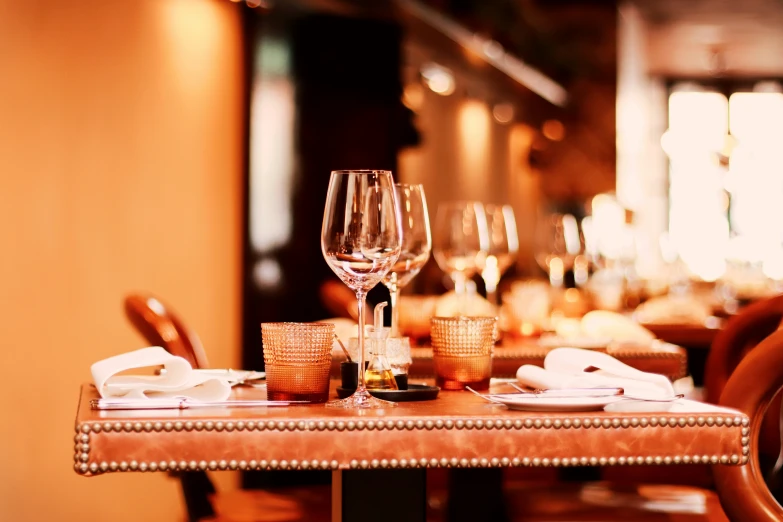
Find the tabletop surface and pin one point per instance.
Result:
(457, 429)
(658, 357)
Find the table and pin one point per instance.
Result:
(457, 430)
(660, 357)
(663, 358)
(687, 335)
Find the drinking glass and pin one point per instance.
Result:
(460, 242)
(416, 244)
(462, 351)
(360, 240)
(503, 247)
(297, 358)
(558, 243)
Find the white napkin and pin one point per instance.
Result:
(564, 368)
(179, 379)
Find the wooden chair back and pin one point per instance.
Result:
(160, 325)
(741, 334)
(744, 492)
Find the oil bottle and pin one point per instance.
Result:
(378, 375)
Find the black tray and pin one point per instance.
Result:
(415, 392)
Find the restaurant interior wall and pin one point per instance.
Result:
(121, 167)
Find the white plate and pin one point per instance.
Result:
(556, 404)
(587, 343)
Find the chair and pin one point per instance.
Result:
(341, 301)
(161, 326)
(751, 388)
(741, 335)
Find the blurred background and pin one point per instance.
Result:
(184, 147)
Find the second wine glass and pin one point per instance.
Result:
(460, 242)
(416, 244)
(503, 247)
(360, 240)
(558, 243)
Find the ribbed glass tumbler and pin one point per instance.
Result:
(298, 359)
(462, 351)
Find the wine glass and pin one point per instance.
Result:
(360, 240)
(503, 247)
(416, 244)
(461, 241)
(558, 244)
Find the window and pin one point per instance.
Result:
(726, 180)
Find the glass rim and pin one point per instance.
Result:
(464, 318)
(363, 172)
(297, 324)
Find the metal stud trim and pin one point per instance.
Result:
(494, 462)
(83, 432)
(430, 424)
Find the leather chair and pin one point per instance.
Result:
(739, 336)
(741, 333)
(751, 388)
(161, 326)
(341, 301)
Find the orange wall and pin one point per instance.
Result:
(120, 169)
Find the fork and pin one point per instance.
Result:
(623, 396)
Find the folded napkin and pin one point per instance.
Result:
(178, 380)
(566, 368)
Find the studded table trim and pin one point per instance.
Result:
(85, 431)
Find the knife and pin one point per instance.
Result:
(178, 404)
(565, 393)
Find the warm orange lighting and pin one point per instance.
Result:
(438, 78)
(503, 112)
(553, 130)
(413, 96)
(571, 295)
(527, 329)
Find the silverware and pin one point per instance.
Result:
(179, 404)
(570, 394)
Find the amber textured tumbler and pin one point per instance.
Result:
(462, 351)
(298, 358)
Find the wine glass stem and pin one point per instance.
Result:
(460, 287)
(360, 298)
(491, 285)
(492, 295)
(394, 296)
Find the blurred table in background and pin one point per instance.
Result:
(696, 339)
(660, 357)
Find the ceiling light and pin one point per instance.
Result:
(553, 130)
(439, 79)
(503, 112)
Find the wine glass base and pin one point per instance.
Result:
(361, 399)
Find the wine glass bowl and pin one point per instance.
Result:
(461, 240)
(558, 242)
(361, 241)
(503, 246)
(416, 244)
